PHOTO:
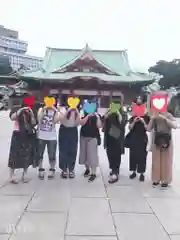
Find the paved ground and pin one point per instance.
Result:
(77, 210)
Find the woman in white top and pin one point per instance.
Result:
(47, 136)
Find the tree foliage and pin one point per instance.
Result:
(5, 66)
(170, 72)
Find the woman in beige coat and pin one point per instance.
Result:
(162, 154)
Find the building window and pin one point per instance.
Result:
(86, 70)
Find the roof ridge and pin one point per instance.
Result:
(80, 49)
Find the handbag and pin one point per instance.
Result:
(114, 132)
(161, 140)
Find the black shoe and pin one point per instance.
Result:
(72, 174)
(64, 174)
(164, 185)
(86, 173)
(114, 178)
(92, 178)
(41, 173)
(133, 175)
(155, 184)
(51, 173)
(141, 178)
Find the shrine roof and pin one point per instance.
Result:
(116, 62)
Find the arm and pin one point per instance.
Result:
(33, 120)
(171, 122)
(57, 117)
(98, 121)
(40, 115)
(150, 126)
(119, 117)
(132, 122)
(106, 114)
(83, 120)
(145, 121)
(78, 119)
(124, 118)
(14, 114)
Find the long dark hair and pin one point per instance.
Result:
(142, 98)
(69, 114)
(113, 119)
(24, 117)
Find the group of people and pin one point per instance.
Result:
(33, 133)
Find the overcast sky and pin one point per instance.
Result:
(149, 29)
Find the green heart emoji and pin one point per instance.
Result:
(114, 107)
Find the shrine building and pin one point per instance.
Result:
(86, 73)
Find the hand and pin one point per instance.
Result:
(155, 115)
(90, 115)
(96, 114)
(142, 120)
(136, 119)
(107, 113)
(77, 111)
(55, 109)
(162, 117)
(31, 111)
(24, 108)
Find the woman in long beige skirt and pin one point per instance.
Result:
(162, 155)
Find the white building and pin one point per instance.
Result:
(15, 49)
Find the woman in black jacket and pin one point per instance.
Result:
(114, 125)
(138, 141)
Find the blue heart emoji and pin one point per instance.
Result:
(89, 108)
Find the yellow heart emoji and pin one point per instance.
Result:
(73, 102)
(49, 102)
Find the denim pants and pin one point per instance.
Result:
(68, 143)
(51, 148)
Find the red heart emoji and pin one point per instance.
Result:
(29, 101)
(137, 110)
(159, 103)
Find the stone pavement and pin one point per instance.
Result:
(77, 210)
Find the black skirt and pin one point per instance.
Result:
(23, 151)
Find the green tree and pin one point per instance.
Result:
(170, 72)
